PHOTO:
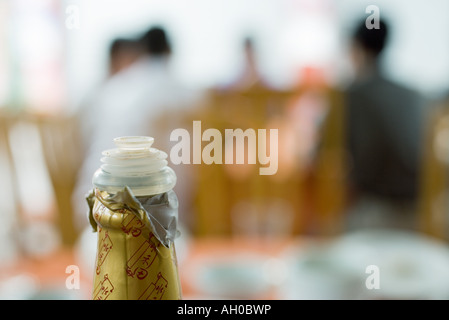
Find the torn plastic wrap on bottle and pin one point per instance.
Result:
(135, 245)
(161, 210)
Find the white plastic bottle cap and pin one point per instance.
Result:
(136, 142)
(134, 163)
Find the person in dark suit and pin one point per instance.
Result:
(384, 122)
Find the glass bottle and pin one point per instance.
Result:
(134, 211)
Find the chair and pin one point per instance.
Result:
(62, 149)
(329, 181)
(433, 206)
(235, 198)
(11, 206)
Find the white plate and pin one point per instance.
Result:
(231, 277)
(410, 266)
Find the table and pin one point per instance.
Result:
(50, 276)
(213, 252)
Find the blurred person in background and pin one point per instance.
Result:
(249, 77)
(384, 138)
(130, 103)
(122, 54)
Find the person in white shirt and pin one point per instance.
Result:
(129, 104)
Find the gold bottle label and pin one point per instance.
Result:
(131, 263)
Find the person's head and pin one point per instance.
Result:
(368, 44)
(122, 53)
(155, 42)
(248, 47)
